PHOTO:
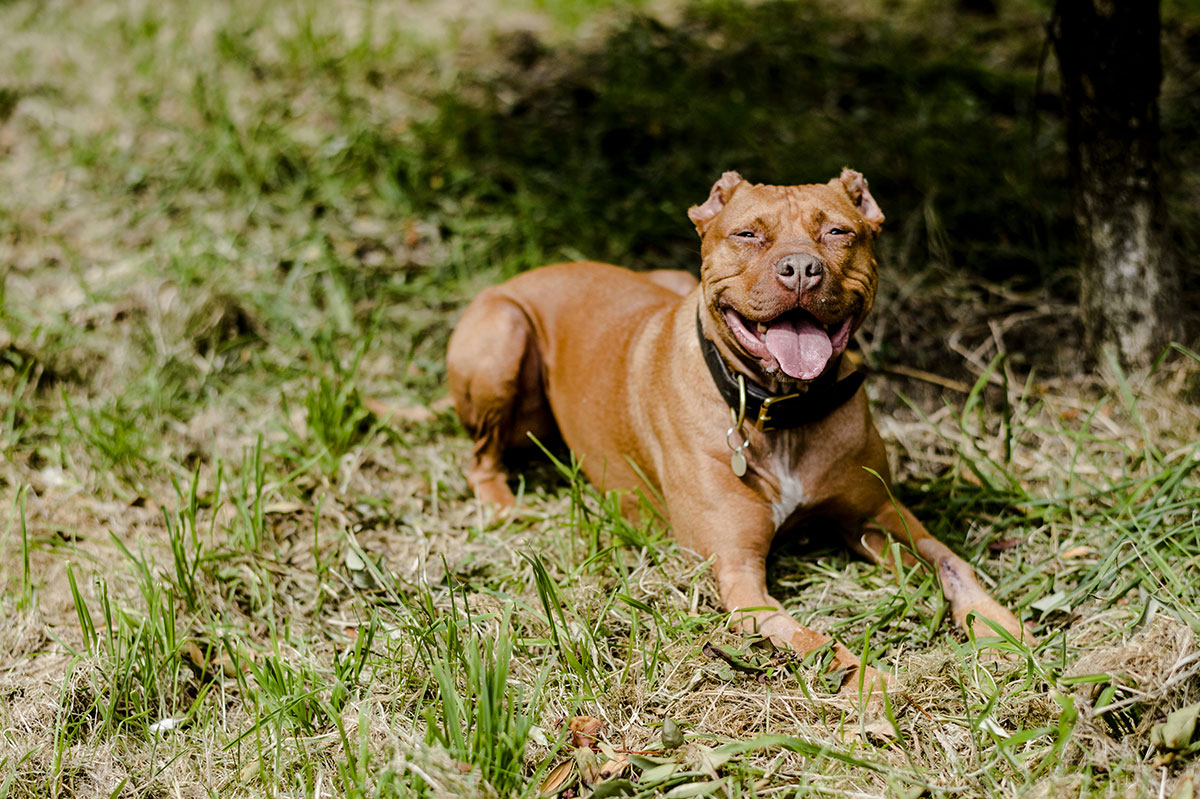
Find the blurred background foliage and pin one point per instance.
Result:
(313, 174)
(594, 150)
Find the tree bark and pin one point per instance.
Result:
(1111, 65)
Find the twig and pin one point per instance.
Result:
(928, 377)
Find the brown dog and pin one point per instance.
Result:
(641, 374)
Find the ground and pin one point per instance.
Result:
(238, 553)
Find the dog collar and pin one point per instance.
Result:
(780, 411)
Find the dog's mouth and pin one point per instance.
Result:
(795, 343)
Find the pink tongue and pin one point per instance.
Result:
(801, 347)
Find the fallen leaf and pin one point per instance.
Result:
(881, 728)
(648, 761)
(589, 765)
(1177, 731)
(1055, 602)
(760, 642)
(249, 771)
(831, 682)
(1077, 552)
(713, 759)
(612, 768)
(360, 575)
(1003, 544)
(585, 730)
(192, 650)
(991, 726)
(165, 725)
(558, 778)
(672, 736)
(614, 788)
(690, 789)
(659, 773)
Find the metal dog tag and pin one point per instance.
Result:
(737, 462)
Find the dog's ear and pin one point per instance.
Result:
(722, 190)
(856, 186)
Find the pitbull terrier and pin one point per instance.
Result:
(726, 403)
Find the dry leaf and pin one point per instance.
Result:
(558, 778)
(1054, 602)
(690, 790)
(1076, 552)
(614, 788)
(881, 728)
(166, 725)
(195, 655)
(249, 771)
(1177, 731)
(672, 737)
(613, 768)
(205, 665)
(589, 765)
(585, 730)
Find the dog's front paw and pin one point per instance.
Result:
(494, 491)
(864, 687)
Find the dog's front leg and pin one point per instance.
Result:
(957, 578)
(737, 536)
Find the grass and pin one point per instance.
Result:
(238, 553)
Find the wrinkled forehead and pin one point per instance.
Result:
(789, 206)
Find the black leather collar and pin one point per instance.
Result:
(780, 411)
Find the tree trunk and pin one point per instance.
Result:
(1108, 53)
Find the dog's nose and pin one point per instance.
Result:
(799, 271)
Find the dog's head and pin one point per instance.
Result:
(789, 272)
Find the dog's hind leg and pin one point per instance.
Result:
(494, 372)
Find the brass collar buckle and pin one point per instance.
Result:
(764, 416)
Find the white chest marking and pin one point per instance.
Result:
(791, 491)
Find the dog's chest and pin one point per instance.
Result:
(782, 467)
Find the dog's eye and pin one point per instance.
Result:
(839, 231)
(746, 234)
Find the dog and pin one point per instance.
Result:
(725, 402)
